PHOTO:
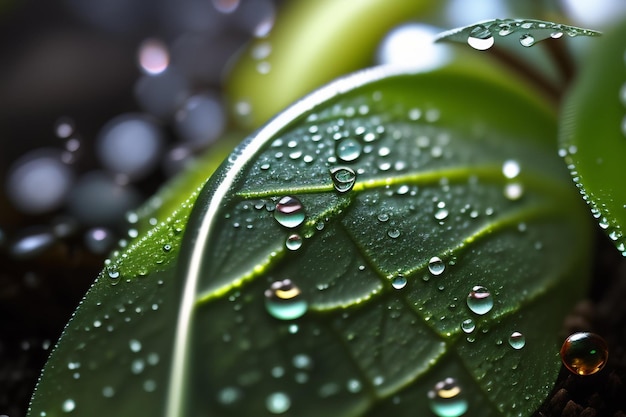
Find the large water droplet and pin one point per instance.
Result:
(436, 266)
(343, 178)
(517, 340)
(447, 400)
(584, 353)
(468, 325)
(479, 300)
(348, 150)
(398, 282)
(68, 405)
(510, 168)
(284, 301)
(480, 38)
(527, 40)
(289, 212)
(278, 403)
(294, 242)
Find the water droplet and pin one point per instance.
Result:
(294, 242)
(383, 217)
(393, 233)
(289, 212)
(283, 300)
(480, 38)
(436, 266)
(517, 340)
(505, 29)
(479, 300)
(510, 169)
(68, 405)
(514, 191)
(398, 282)
(135, 345)
(278, 403)
(584, 353)
(527, 40)
(556, 35)
(343, 178)
(446, 399)
(468, 325)
(348, 150)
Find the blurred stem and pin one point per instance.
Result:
(528, 71)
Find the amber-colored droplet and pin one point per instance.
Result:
(584, 353)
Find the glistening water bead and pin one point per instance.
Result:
(343, 178)
(517, 340)
(447, 400)
(283, 300)
(436, 266)
(289, 212)
(480, 38)
(479, 300)
(584, 353)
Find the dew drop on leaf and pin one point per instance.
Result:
(68, 405)
(468, 326)
(348, 150)
(479, 300)
(510, 168)
(278, 403)
(398, 282)
(517, 340)
(556, 35)
(480, 38)
(446, 399)
(527, 40)
(294, 242)
(283, 300)
(436, 266)
(289, 212)
(343, 178)
(584, 353)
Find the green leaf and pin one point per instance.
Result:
(593, 133)
(482, 35)
(392, 172)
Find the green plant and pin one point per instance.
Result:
(384, 246)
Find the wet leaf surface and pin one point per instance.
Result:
(593, 133)
(483, 35)
(374, 250)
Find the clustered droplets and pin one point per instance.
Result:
(481, 36)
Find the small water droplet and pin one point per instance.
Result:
(68, 405)
(480, 38)
(294, 242)
(283, 300)
(348, 150)
(343, 178)
(479, 300)
(517, 340)
(556, 35)
(447, 400)
(436, 266)
(584, 353)
(398, 282)
(505, 29)
(289, 212)
(527, 40)
(383, 217)
(393, 233)
(278, 403)
(468, 325)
